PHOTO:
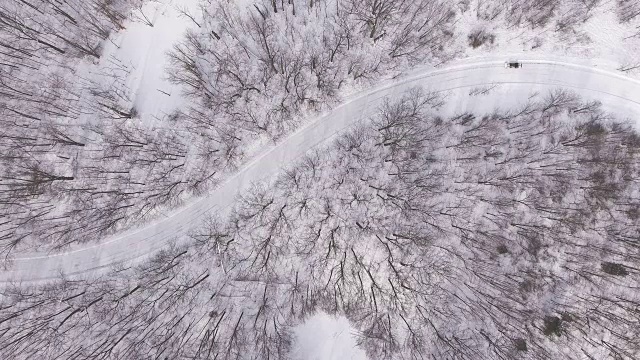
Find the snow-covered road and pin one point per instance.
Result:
(617, 93)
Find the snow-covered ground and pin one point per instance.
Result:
(326, 337)
(142, 48)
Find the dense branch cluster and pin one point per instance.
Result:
(508, 235)
(511, 235)
(75, 162)
(44, 102)
(563, 15)
(628, 10)
(254, 69)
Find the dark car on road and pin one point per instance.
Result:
(512, 65)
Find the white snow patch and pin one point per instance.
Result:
(326, 337)
(143, 48)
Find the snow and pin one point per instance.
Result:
(143, 49)
(326, 337)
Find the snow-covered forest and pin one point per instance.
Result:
(467, 234)
(502, 235)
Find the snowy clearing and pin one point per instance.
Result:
(143, 49)
(326, 337)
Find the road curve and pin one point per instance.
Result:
(133, 246)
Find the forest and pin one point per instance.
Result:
(510, 234)
(499, 236)
(78, 163)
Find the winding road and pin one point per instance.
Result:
(614, 90)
